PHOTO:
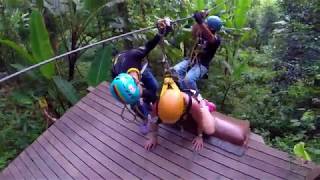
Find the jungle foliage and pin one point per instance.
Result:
(267, 69)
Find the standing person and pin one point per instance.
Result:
(129, 84)
(195, 67)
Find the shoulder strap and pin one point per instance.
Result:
(189, 105)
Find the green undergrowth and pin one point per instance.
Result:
(20, 124)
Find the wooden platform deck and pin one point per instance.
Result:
(91, 141)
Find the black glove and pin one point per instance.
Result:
(199, 16)
(164, 26)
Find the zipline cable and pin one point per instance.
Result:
(89, 46)
(73, 51)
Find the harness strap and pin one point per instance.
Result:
(187, 110)
(195, 50)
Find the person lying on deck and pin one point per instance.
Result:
(128, 78)
(174, 106)
(196, 66)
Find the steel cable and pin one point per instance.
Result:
(88, 46)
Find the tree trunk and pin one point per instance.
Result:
(73, 57)
(123, 12)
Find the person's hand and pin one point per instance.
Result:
(164, 26)
(151, 143)
(197, 143)
(199, 16)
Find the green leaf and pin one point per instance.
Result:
(66, 89)
(13, 3)
(21, 98)
(92, 5)
(19, 49)
(241, 11)
(200, 5)
(40, 4)
(40, 43)
(99, 69)
(239, 70)
(220, 5)
(308, 117)
(299, 151)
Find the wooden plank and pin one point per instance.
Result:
(23, 168)
(46, 171)
(219, 159)
(36, 172)
(1, 174)
(6, 174)
(226, 146)
(60, 158)
(314, 174)
(209, 154)
(15, 172)
(250, 161)
(100, 125)
(170, 166)
(264, 162)
(124, 148)
(78, 125)
(65, 127)
(62, 174)
(282, 171)
(279, 154)
(175, 153)
(104, 88)
(90, 88)
(289, 166)
(173, 168)
(75, 159)
(91, 168)
(182, 138)
(136, 137)
(257, 138)
(277, 162)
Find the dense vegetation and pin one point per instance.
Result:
(267, 70)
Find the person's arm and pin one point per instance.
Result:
(145, 50)
(203, 31)
(152, 136)
(164, 27)
(201, 28)
(196, 114)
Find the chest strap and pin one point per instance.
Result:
(187, 110)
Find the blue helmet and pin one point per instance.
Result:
(214, 22)
(125, 89)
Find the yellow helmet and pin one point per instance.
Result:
(170, 106)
